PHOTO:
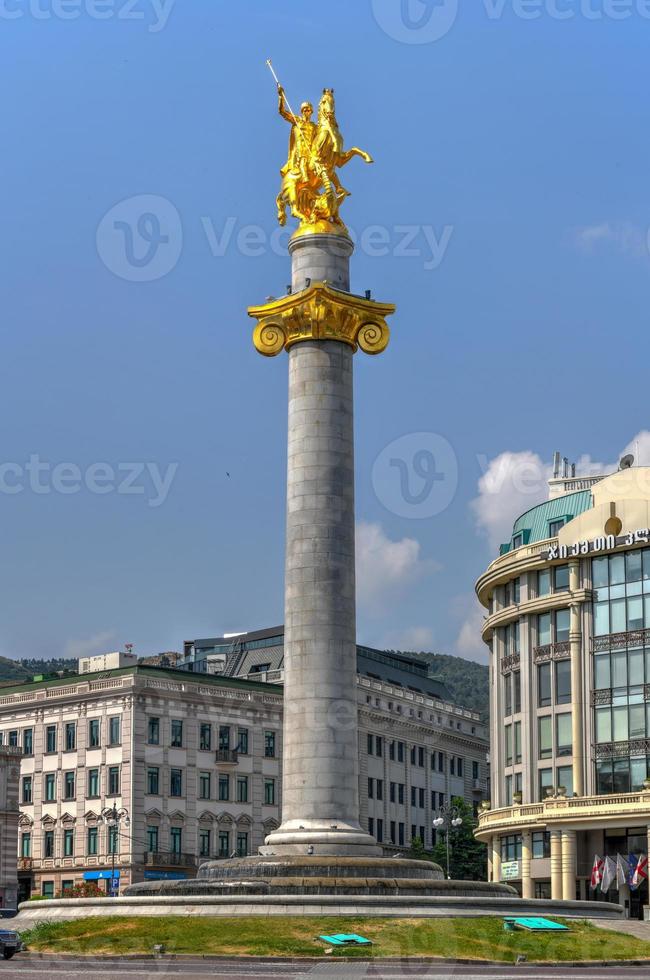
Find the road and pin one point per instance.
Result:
(26, 968)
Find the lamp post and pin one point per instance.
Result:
(448, 819)
(113, 818)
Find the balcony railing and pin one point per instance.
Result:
(226, 757)
(616, 641)
(552, 651)
(169, 859)
(24, 864)
(564, 808)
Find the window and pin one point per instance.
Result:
(176, 782)
(371, 788)
(516, 688)
(205, 737)
(400, 834)
(94, 739)
(153, 731)
(176, 840)
(114, 730)
(400, 793)
(224, 843)
(545, 782)
(391, 751)
(414, 797)
(224, 738)
(26, 845)
(152, 839)
(508, 790)
(204, 843)
(563, 682)
(452, 765)
(242, 741)
(475, 769)
(400, 751)
(541, 844)
(508, 744)
(28, 741)
(564, 734)
(242, 789)
(242, 845)
(380, 789)
(177, 733)
(561, 578)
(421, 798)
(113, 781)
(69, 786)
(48, 844)
(205, 780)
(420, 756)
(511, 847)
(544, 629)
(517, 541)
(379, 746)
(380, 830)
(224, 787)
(516, 591)
(565, 778)
(269, 792)
(555, 526)
(47, 889)
(112, 840)
(562, 625)
(370, 744)
(68, 843)
(27, 795)
(544, 582)
(50, 787)
(50, 738)
(92, 783)
(13, 738)
(507, 685)
(545, 737)
(153, 780)
(269, 745)
(70, 736)
(392, 832)
(544, 694)
(517, 741)
(371, 826)
(91, 841)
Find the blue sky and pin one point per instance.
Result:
(506, 216)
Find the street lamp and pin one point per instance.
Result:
(449, 818)
(114, 818)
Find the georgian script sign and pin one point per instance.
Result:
(606, 542)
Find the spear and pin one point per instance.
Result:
(277, 82)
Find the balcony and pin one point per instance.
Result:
(226, 757)
(619, 641)
(24, 864)
(552, 651)
(169, 859)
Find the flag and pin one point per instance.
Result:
(641, 871)
(631, 868)
(596, 872)
(622, 871)
(609, 873)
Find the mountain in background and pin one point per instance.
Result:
(466, 681)
(24, 670)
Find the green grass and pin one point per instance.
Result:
(480, 939)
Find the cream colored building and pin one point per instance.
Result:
(568, 627)
(10, 756)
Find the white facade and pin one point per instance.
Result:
(107, 661)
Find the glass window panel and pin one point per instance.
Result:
(635, 613)
(545, 782)
(563, 682)
(561, 578)
(544, 582)
(646, 617)
(620, 727)
(544, 629)
(619, 668)
(603, 725)
(602, 676)
(637, 721)
(565, 778)
(507, 686)
(638, 772)
(617, 616)
(545, 737)
(617, 592)
(646, 563)
(564, 734)
(635, 667)
(616, 569)
(599, 572)
(508, 731)
(621, 776)
(634, 588)
(517, 730)
(633, 566)
(516, 684)
(601, 618)
(604, 778)
(544, 696)
(562, 625)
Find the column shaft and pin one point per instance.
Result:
(577, 705)
(526, 880)
(556, 864)
(569, 865)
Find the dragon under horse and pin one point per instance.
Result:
(311, 188)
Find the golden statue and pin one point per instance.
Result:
(311, 188)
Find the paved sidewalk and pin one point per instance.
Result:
(633, 927)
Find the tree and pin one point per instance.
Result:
(467, 855)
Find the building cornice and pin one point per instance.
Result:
(578, 812)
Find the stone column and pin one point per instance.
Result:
(556, 864)
(320, 764)
(496, 858)
(577, 704)
(569, 865)
(526, 854)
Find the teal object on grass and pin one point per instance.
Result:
(342, 939)
(536, 924)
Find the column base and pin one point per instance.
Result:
(320, 838)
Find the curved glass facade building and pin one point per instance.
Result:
(568, 628)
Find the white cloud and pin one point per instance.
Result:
(97, 643)
(624, 236)
(469, 643)
(513, 482)
(413, 638)
(385, 567)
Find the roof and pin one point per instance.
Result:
(534, 523)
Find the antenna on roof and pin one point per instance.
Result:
(627, 462)
(557, 459)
